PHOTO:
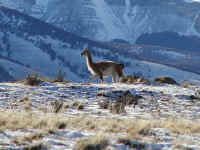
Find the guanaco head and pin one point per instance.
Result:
(85, 52)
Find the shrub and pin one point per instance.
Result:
(61, 125)
(104, 104)
(60, 76)
(28, 106)
(27, 138)
(75, 103)
(129, 99)
(186, 84)
(32, 79)
(27, 103)
(39, 146)
(123, 79)
(57, 106)
(132, 144)
(24, 99)
(117, 108)
(92, 143)
(80, 107)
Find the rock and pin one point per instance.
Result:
(167, 80)
(192, 97)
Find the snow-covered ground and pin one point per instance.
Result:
(170, 106)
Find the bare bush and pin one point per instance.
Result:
(32, 79)
(57, 106)
(117, 108)
(60, 76)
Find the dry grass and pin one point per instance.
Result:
(98, 142)
(75, 103)
(52, 80)
(175, 125)
(186, 84)
(20, 140)
(57, 106)
(24, 99)
(117, 108)
(14, 120)
(133, 79)
(38, 146)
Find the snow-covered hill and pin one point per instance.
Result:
(111, 19)
(37, 46)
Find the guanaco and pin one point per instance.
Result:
(102, 69)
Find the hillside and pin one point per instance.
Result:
(37, 46)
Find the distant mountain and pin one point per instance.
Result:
(171, 40)
(114, 19)
(29, 45)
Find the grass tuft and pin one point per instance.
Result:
(98, 142)
(57, 106)
(38, 146)
(132, 144)
(132, 79)
(30, 138)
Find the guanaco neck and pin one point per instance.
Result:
(89, 60)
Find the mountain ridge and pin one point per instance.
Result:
(109, 19)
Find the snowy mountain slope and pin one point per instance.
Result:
(127, 19)
(111, 19)
(45, 49)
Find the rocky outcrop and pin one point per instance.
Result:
(167, 80)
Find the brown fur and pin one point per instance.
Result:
(102, 68)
